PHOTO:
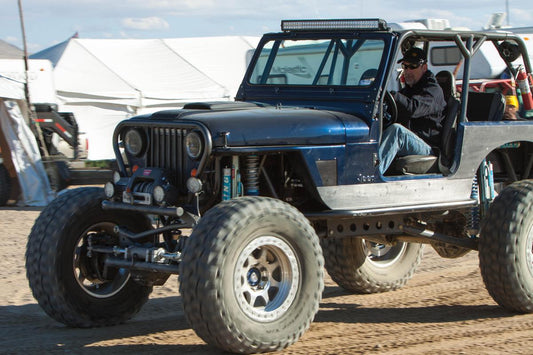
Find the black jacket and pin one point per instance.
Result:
(420, 108)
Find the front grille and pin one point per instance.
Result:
(166, 149)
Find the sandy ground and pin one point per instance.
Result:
(444, 309)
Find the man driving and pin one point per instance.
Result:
(420, 112)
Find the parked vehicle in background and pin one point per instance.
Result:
(56, 133)
(283, 182)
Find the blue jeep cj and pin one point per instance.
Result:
(248, 201)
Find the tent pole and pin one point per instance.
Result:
(32, 122)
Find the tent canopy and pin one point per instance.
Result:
(9, 51)
(224, 59)
(148, 72)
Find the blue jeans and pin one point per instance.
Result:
(400, 141)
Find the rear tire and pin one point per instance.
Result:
(71, 286)
(506, 248)
(5, 185)
(360, 266)
(57, 172)
(252, 275)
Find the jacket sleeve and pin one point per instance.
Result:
(422, 105)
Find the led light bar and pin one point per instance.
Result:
(334, 25)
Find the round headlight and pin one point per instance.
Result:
(133, 142)
(194, 185)
(109, 189)
(193, 144)
(159, 194)
(116, 177)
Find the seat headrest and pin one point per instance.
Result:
(446, 81)
(368, 77)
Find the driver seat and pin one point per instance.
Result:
(423, 164)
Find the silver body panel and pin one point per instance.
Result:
(400, 193)
(476, 140)
(481, 138)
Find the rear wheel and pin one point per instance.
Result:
(506, 248)
(252, 275)
(72, 285)
(5, 185)
(362, 266)
(57, 172)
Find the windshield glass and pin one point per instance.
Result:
(337, 62)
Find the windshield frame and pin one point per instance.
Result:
(281, 92)
(335, 65)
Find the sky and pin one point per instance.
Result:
(49, 22)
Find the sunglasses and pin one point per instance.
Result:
(410, 66)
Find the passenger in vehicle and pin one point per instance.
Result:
(511, 108)
(420, 112)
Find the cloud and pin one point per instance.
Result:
(521, 18)
(145, 24)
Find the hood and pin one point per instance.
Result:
(251, 125)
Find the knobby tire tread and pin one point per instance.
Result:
(499, 249)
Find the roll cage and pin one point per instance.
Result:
(469, 43)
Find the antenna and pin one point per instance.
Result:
(507, 12)
(26, 67)
(32, 122)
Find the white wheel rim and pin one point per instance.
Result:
(266, 278)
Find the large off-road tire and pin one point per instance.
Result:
(5, 185)
(252, 275)
(58, 175)
(506, 248)
(69, 285)
(362, 266)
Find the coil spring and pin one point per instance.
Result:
(473, 220)
(251, 173)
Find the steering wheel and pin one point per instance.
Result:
(390, 114)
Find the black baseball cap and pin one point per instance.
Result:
(414, 55)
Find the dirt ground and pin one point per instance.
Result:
(444, 309)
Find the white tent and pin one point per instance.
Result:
(11, 89)
(223, 59)
(40, 79)
(104, 81)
